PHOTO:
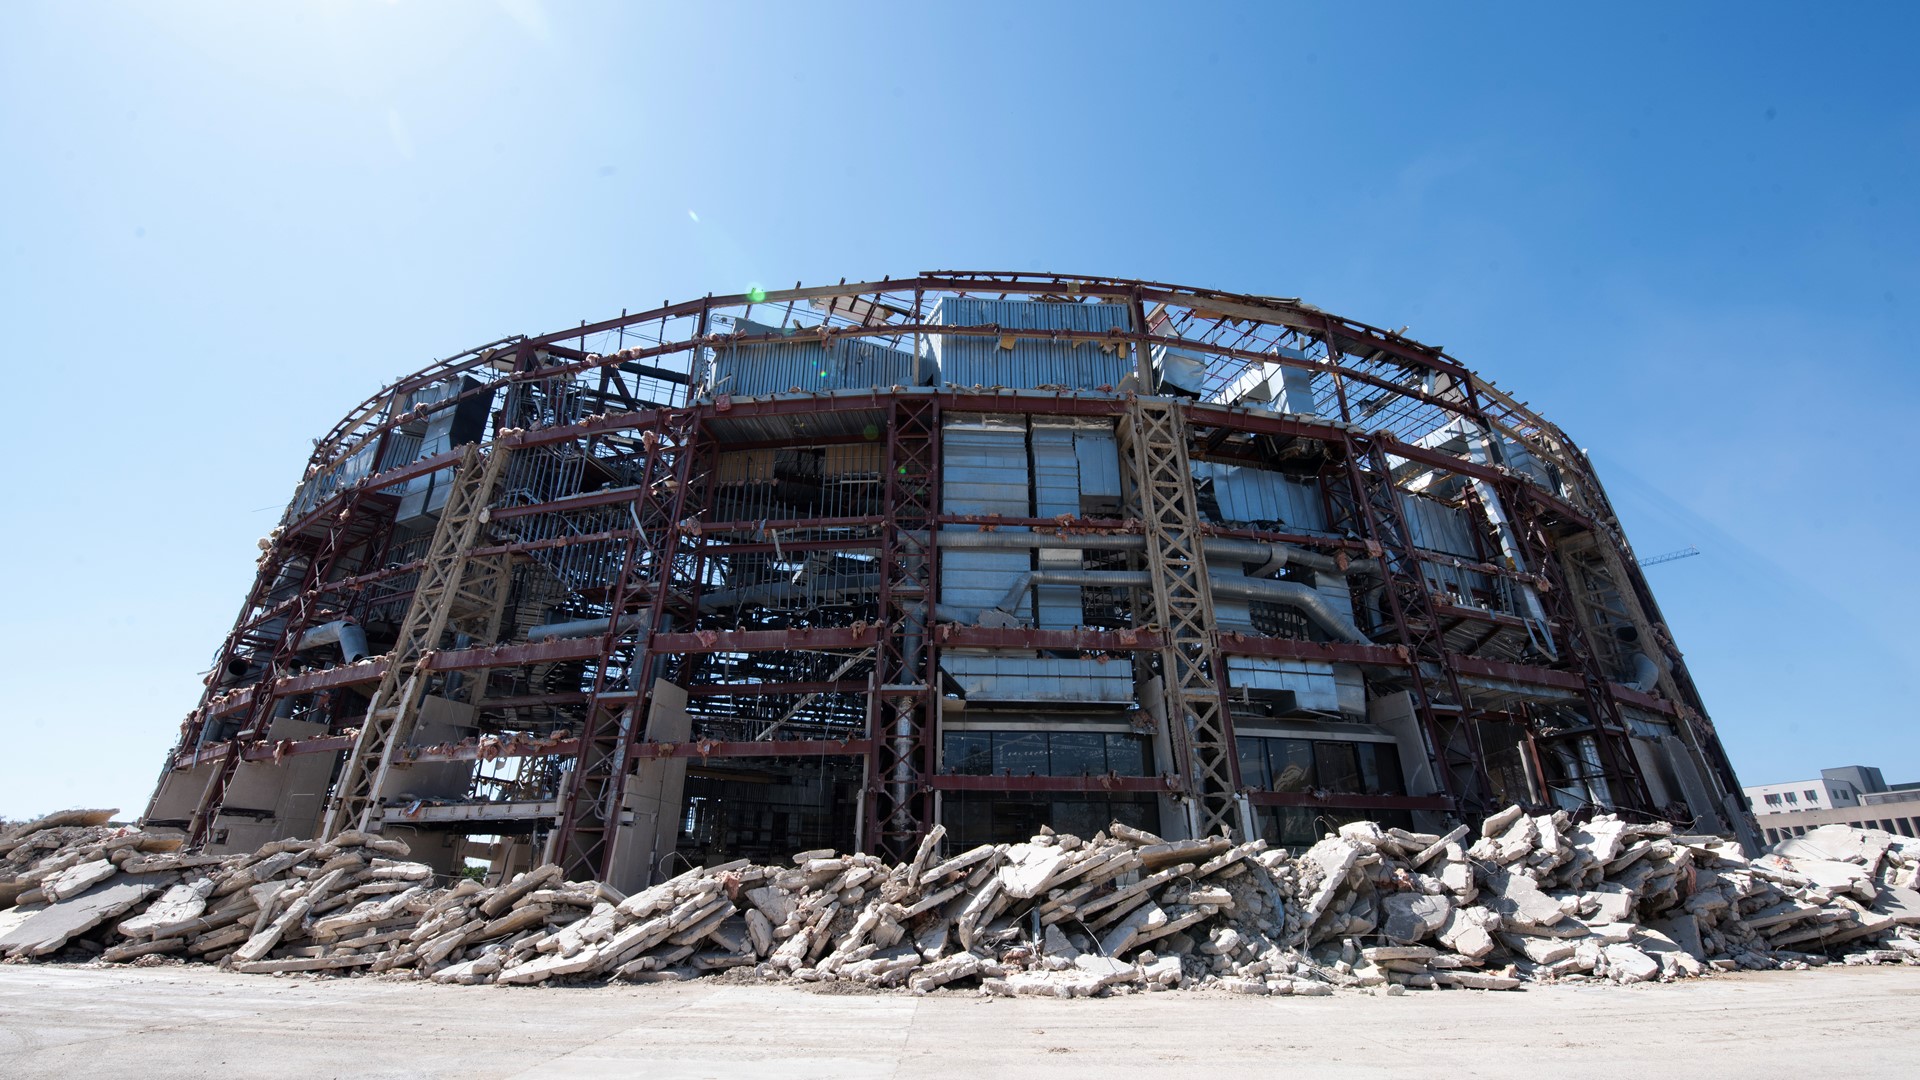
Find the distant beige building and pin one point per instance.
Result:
(1849, 795)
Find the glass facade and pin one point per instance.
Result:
(1349, 768)
(1046, 753)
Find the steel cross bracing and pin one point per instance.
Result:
(657, 575)
(1153, 448)
(1372, 505)
(901, 708)
(340, 536)
(447, 597)
(1609, 729)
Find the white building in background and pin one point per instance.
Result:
(1850, 795)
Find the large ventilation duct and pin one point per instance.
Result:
(1266, 558)
(350, 636)
(1301, 597)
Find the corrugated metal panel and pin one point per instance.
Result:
(1436, 526)
(1247, 494)
(846, 364)
(1056, 491)
(1033, 361)
(1099, 457)
(857, 459)
(983, 470)
(986, 676)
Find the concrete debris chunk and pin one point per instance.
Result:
(1385, 910)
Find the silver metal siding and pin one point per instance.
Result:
(986, 676)
(1032, 362)
(1056, 491)
(983, 470)
(845, 364)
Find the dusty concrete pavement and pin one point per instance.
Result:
(101, 1023)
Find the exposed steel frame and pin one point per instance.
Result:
(667, 551)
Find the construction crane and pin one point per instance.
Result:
(1684, 553)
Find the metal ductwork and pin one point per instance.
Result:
(1297, 595)
(347, 634)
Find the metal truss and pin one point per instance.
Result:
(455, 592)
(901, 709)
(654, 587)
(343, 530)
(1618, 768)
(1371, 506)
(1153, 446)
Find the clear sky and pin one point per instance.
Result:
(1689, 238)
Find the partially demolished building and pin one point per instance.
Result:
(825, 567)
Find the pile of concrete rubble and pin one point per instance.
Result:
(1532, 898)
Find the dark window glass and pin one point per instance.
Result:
(1253, 763)
(969, 819)
(1338, 766)
(1292, 763)
(1138, 811)
(1078, 754)
(1127, 755)
(1380, 769)
(1080, 817)
(1021, 753)
(1291, 826)
(1016, 820)
(969, 753)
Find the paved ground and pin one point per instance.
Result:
(98, 1024)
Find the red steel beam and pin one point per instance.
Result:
(957, 782)
(712, 641)
(710, 748)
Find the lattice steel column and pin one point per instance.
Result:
(1619, 768)
(1153, 447)
(1372, 505)
(341, 528)
(901, 707)
(653, 589)
(443, 600)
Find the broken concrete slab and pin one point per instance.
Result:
(1626, 964)
(1410, 917)
(53, 926)
(1517, 899)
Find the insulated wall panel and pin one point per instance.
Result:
(983, 467)
(806, 364)
(1034, 360)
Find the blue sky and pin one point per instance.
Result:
(1689, 238)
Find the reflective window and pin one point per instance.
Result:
(1078, 753)
(1046, 753)
(969, 753)
(1129, 755)
(1337, 766)
(1253, 763)
(1021, 753)
(1291, 763)
(1380, 769)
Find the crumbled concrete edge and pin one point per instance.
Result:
(1532, 898)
